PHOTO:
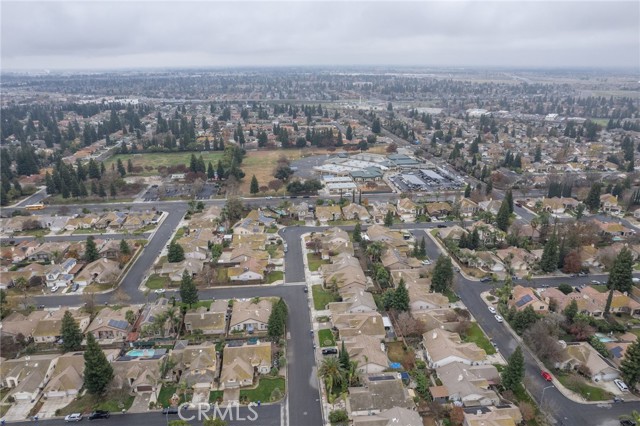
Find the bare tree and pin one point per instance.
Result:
(409, 326)
(120, 297)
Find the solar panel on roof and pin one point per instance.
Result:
(524, 300)
(121, 324)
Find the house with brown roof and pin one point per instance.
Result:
(17, 324)
(356, 302)
(177, 269)
(195, 365)
(444, 347)
(148, 321)
(344, 274)
(138, 376)
(503, 415)
(368, 352)
(48, 251)
(362, 323)
(385, 235)
(420, 297)
(524, 297)
(241, 364)
(110, 325)
(407, 209)
(68, 375)
(333, 241)
(454, 232)
(491, 206)
(614, 229)
(27, 376)
(324, 214)
(609, 203)
(519, 260)
(250, 315)
(470, 384)
(101, 271)
(438, 209)
(379, 211)
(379, 393)
(582, 353)
(49, 327)
(468, 207)
(396, 416)
(393, 259)
(210, 321)
(356, 212)
(438, 318)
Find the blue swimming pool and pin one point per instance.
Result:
(605, 339)
(137, 353)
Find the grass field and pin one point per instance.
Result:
(321, 297)
(156, 282)
(275, 276)
(325, 337)
(151, 161)
(476, 336)
(264, 392)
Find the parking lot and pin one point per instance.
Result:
(427, 180)
(199, 192)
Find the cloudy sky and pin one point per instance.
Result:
(117, 34)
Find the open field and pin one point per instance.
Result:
(151, 161)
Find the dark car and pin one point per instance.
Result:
(99, 414)
(485, 280)
(170, 410)
(306, 289)
(442, 225)
(329, 351)
(627, 422)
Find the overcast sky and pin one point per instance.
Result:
(107, 35)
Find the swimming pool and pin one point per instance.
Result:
(137, 353)
(605, 339)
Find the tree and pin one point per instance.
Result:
(571, 311)
(550, 254)
(255, 187)
(565, 288)
(509, 199)
(467, 191)
(332, 373)
(188, 290)
(375, 126)
(343, 357)
(233, 210)
(349, 134)
(442, 275)
(176, 252)
(621, 275)
(277, 320)
(401, 297)
(121, 168)
(97, 369)
(338, 418)
(91, 251)
(514, 371)
(630, 366)
(124, 247)
(357, 233)
(503, 216)
(388, 218)
(593, 198)
(70, 333)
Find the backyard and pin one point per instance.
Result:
(322, 297)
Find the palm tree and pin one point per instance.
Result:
(353, 375)
(332, 374)
(374, 251)
(534, 225)
(172, 316)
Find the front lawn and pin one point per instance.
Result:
(167, 391)
(325, 337)
(453, 298)
(475, 335)
(322, 297)
(114, 401)
(268, 390)
(580, 386)
(215, 396)
(315, 261)
(275, 276)
(602, 288)
(156, 282)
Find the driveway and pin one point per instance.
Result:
(19, 411)
(50, 406)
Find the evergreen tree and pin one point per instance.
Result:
(98, 372)
(375, 126)
(503, 216)
(401, 297)
(607, 306)
(220, 170)
(188, 290)
(70, 333)
(550, 255)
(630, 366)
(442, 275)
(101, 192)
(343, 357)
(357, 233)
(509, 197)
(51, 188)
(112, 189)
(255, 188)
(571, 311)
(621, 275)
(514, 372)
(129, 166)
(467, 191)
(593, 199)
(388, 218)
(91, 251)
(93, 170)
(423, 247)
(121, 168)
(349, 134)
(277, 320)
(124, 247)
(210, 172)
(176, 252)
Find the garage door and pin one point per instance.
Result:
(144, 388)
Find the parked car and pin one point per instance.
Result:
(492, 309)
(330, 351)
(442, 225)
(75, 287)
(485, 280)
(426, 262)
(627, 422)
(54, 289)
(545, 375)
(75, 417)
(306, 289)
(499, 318)
(99, 414)
(170, 410)
(621, 385)
(159, 291)
(618, 399)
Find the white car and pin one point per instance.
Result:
(499, 318)
(75, 417)
(54, 289)
(492, 309)
(426, 262)
(621, 385)
(159, 291)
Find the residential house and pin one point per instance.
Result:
(357, 302)
(81, 222)
(67, 378)
(177, 269)
(380, 392)
(58, 275)
(439, 318)
(49, 251)
(617, 351)
(582, 353)
(484, 260)
(344, 274)
(396, 416)
(195, 365)
(385, 235)
(139, 220)
(333, 241)
(362, 323)
(254, 223)
(379, 211)
(196, 244)
(502, 415)
(324, 214)
(438, 209)
(113, 220)
(138, 376)
(407, 209)
(302, 211)
(210, 321)
(454, 232)
(356, 212)
(368, 351)
(559, 205)
(27, 376)
(110, 325)
(19, 252)
(393, 259)
(101, 271)
(147, 321)
(516, 259)
(491, 206)
(470, 385)
(48, 329)
(614, 230)
(444, 347)
(609, 204)
(619, 303)
(9, 279)
(468, 207)
(111, 250)
(585, 305)
(524, 297)
(18, 326)
(250, 315)
(240, 364)
(488, 234)
(420, 296)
